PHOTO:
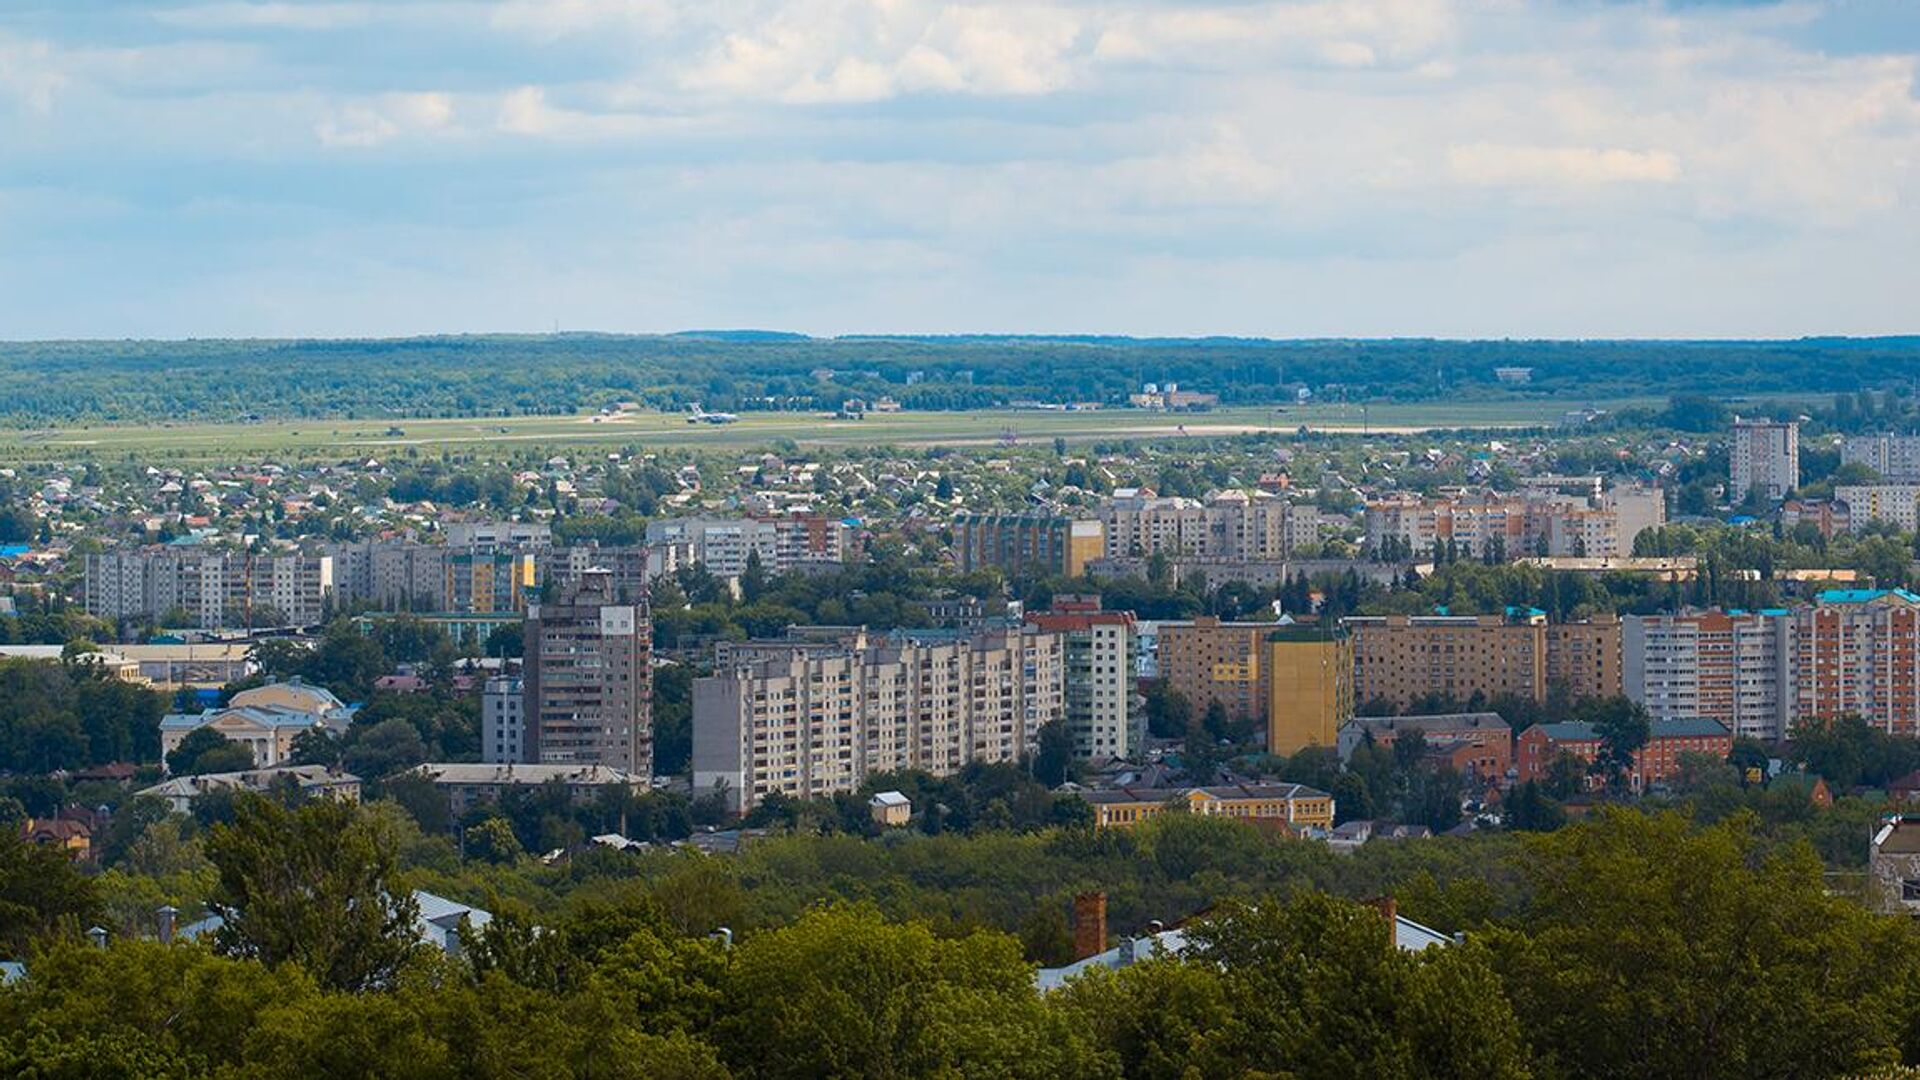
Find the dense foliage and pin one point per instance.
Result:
(65, 382)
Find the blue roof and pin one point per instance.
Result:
(1861, 596)
(14, 551)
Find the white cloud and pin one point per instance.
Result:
(1560, 166)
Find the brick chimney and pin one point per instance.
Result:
(1389, 910)
(1089, 924)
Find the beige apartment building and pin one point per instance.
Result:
(588, 679)
(1227, 524)
(1400, 659)
(1207, 660)
(820, 712)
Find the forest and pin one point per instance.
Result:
(87, 382)
(1630, 944)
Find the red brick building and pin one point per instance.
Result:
(1654, 763)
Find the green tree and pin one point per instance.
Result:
(41, 893)
(205, 750)
(313, 886)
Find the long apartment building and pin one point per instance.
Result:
(1039, 543)
(1400, 659)
(1894, 504)
(723, 545)
(216, 589)
(1227, 524)
(1541, 521)
(1210, 661)
(820, 712)
(1852, 652)
(1895, 457)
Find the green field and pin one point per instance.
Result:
(339, 439)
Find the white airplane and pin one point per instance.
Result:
(697, 415)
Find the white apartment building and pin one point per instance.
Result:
(722, 545)
(1541, 522)
(1765, 454)
(503, 727)
(1896, 504)
(1732, 667)
(497, 534)
(1227, 524)
(1895, 457)
(809, 717)
(1107, 718)
(215, 589)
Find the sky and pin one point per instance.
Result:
(1301, 168)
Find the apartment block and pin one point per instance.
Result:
(819, 712)
(1105, 714)
(1734, 668)
(1764, 454)
(487, 579)
(1400, 659)
(587, 679)
(1894, 504)
(391, 575)
(499, 534)
(1857, 652)
(1029, 543)
(1207, 660)
(630, 566)
(1542, 521)
(783, 543)
(1895, 457)
(215, 589)
(1238, 525)
(1310, 687)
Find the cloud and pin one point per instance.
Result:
(1560, 166)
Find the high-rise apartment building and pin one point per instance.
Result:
(1731, 667)
(488, 579)
(1857, 652)
(1895, 457)
(216, 589)
(1765, 454)
(1401, 659)
(821, 711)
(1104, 712)
(1207, 660)
(588, 679)
(1310, 687)
(503, 728)
(1029, 543)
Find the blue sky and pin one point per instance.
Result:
(1461, 168)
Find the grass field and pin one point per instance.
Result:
(337, 439)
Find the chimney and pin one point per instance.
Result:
(1089, 924)
(164, 920)
(1389, 910)
(1127, 951)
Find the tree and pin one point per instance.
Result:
(41, 892)
(1652, 948)
(493, 841)
(1053, 760)
(316, 746)
(1624, 729)
(205, 750)
(383, 749)
(312, 886)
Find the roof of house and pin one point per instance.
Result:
(517, 773)
(1128, 795)
(1408, 936)
(1581, 731)
(266, 716)
(1431, 722)
(185, 787)
(889, 798)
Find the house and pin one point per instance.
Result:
(1287, 805)
(467, 785)
(1656, 762)
(437, 923)
(890, 808)
(1813, 787)
(265, 720)
(71, 837)
(1408, 936)
(1893, 865)
(314, 781)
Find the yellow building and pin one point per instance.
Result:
(1310, 687)
(1295, 805)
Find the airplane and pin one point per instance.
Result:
(697, 415)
